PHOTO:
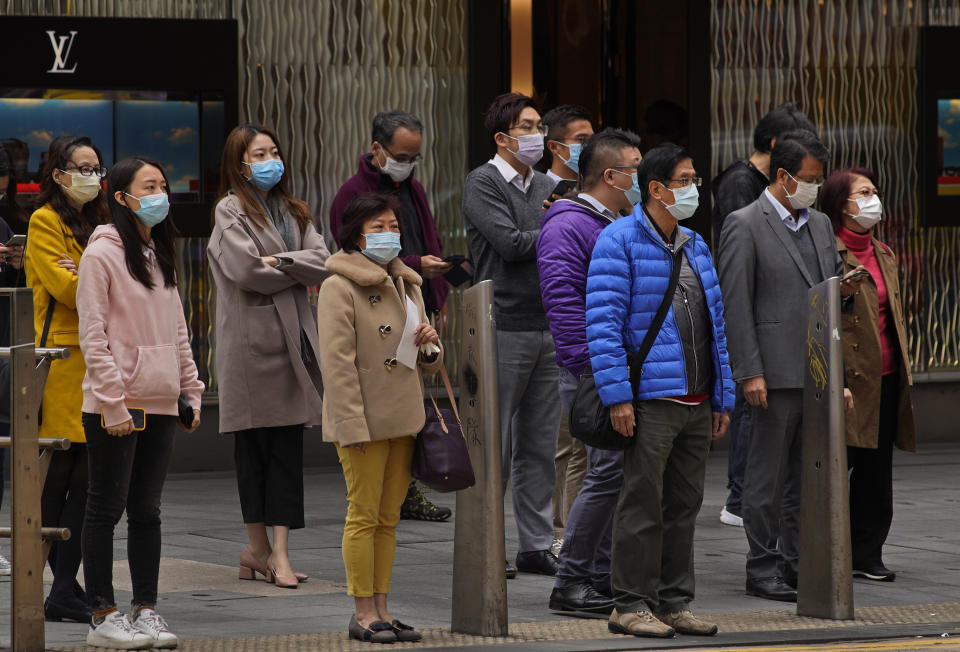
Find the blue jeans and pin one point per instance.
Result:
(585, 555)
(738, 436)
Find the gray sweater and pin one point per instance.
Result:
(502, 228)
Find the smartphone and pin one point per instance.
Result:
(18, 240)
(563, 187)
(855, 274)
(455, 259)
(139, 416)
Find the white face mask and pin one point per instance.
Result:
(871, 211)
(82, 189)
(805, 195)
(396, 170)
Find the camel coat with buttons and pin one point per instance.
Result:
(361, 313)
(862, 354)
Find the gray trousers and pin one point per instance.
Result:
(653, 528)
(771, 485)
(529, 419)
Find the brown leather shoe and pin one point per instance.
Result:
(639, 623)
(686, 623)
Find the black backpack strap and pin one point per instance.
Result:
(46, 322)
(636, 364)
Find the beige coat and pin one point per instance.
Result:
(262, 379)
(862, 355)
(368, 399)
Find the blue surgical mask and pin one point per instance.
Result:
(685, 201)
(382, 247)
(266, 174)
(153, 208)
(574, 161)
(633, 192)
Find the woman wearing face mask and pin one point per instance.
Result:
(877, 366)
(71, 206)
(374, 398)
(134, 338)
(264, 253)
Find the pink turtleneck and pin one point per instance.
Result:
(861, 246)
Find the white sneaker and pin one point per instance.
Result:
(729, 518)
(5, 566)
(153, 625)
(116, 632)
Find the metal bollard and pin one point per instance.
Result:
(479, 583)
(825, 571)
(26, 617)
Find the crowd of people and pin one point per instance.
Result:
(594, 276)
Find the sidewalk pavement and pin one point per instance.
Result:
(210, 609)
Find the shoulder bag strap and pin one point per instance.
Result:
(46, 322)
(449, 388)
(256, 241)
(636, 365)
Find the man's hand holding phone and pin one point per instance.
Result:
(11, 252)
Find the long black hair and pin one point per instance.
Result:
(125, 220)
(80, 222)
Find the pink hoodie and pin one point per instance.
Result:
(134, 340)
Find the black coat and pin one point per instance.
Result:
(9, 277)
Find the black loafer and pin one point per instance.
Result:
(377, 632)
(771, 588)
(542, 562)
(790, 579)
(604, 588)
(73, 610)
(405, 633)
(876, 573)
(580, 598)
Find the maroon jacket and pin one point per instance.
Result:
(367, 179)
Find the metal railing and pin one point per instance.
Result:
(29, 461)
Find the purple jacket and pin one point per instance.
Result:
(567, 235)
(367, 179)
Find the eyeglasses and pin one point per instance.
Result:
(402, 158)
(817, 182)
(865, 193)
(529, 128)
(87, 170)
(686, 181)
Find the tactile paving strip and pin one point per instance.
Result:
(574, 629)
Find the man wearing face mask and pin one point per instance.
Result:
(771, 253)
(388, 168)
(502, 207)
(652, 283)
(569, 232)
(569, 127)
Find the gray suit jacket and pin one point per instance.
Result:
(765, 282)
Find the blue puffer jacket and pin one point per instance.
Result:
(628, 276)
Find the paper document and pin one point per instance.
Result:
(407, 351)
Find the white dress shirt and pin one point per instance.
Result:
(793, 224)
(511, 176)
(593, 201)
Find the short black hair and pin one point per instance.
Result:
(504, 111)
(385, 125)
(658, 165)
(778, 121)
(602, 151)
(362, 208)
(791, 148)
(557, 119)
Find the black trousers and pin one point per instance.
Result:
(871, 483)
(63, 504)
(125, 473)
(270, 475)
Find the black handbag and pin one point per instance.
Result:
(589, 418)
(441, 459)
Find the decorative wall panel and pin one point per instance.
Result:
(851, 65)
(317, 71)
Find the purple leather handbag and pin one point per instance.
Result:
(441, 459)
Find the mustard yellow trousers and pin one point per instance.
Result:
(377, 482)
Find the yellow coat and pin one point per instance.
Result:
(47, 239)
